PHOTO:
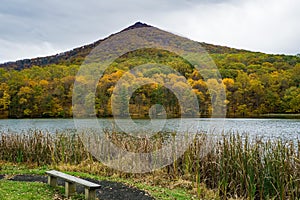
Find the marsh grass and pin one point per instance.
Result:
(236, 166)
(42, 148)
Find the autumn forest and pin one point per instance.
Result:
(255, 83)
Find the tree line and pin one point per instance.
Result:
(255, 83)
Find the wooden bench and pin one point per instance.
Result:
(70, 184)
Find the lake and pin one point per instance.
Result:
(267, 128)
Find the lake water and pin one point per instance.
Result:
(267, 128)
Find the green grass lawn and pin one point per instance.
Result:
(15, 190)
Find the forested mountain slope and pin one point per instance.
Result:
(255, 83)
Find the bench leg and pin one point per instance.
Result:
(52, 181)
(70, 189)
(90, 194)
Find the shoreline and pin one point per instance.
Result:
(260, 116)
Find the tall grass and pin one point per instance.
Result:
(42, 148)
(236, 166)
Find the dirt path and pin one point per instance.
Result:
(108, 191)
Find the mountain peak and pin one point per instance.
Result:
(136, 25)
(77, 55)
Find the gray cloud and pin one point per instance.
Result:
(31, 28)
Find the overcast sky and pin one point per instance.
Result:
(31, 28)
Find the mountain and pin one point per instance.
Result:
(256, 83)
(77, 55)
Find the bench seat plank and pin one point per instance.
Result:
(73, 179)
